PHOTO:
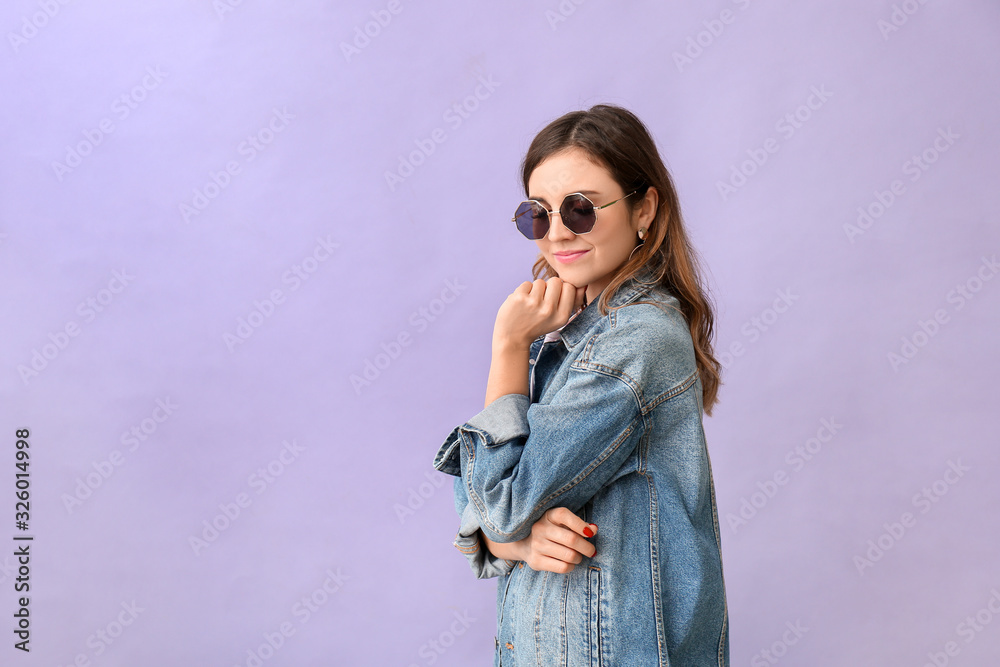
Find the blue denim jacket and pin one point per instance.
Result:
(612, 431)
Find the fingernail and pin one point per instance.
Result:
(588, 531)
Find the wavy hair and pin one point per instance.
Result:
(617, 140)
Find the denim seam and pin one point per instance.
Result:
(603, 456)
(718, 542)
(686, 384)
(654, 556)
(538, 620)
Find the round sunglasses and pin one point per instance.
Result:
(577, 212)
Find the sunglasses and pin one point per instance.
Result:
(578, 214)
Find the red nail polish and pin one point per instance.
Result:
(588, 532)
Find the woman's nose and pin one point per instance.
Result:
(557, 230)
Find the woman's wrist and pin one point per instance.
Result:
(508, 372)
(505, 550)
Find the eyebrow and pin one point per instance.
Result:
(582, 192)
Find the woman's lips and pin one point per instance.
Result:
(566, 258)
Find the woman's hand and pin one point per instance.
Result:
(557, 543)
(533, 309)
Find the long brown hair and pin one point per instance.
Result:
(615, 138)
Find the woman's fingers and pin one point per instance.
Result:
(536, 308)
(569, 530)
(564, 517)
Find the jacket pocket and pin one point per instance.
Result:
(594, 615)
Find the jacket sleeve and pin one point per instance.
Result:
(518, 459)
(483, 563)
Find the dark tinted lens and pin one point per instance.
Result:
(532, 220)
(578, 214)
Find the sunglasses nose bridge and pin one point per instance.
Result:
(557, 230)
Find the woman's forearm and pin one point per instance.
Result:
(506, 550)
(508, 371)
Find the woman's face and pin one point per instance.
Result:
(589, 259)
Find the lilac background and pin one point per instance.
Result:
(359, 498)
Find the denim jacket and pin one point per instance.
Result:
(612, 431)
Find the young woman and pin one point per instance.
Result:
(585, 484)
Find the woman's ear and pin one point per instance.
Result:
(647, 208)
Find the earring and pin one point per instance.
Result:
(642, 233)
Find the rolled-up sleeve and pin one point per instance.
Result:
(483, 563)
(517, 459)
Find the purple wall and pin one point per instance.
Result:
(253, 257)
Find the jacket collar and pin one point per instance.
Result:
(574, 330)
